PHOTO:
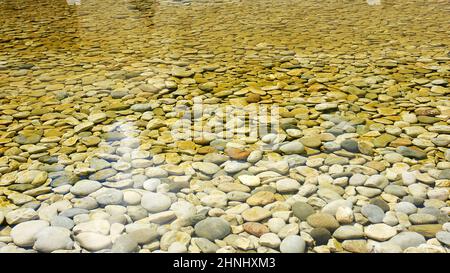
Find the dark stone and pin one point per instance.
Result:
(350, 145)
(320, 236)
(380, 203)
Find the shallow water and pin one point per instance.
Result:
(111, 79)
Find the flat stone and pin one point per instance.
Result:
(256, 214)
(374, 213)
(323, 220)
(24, 234)
(155, 202)
(21, 215)
(376, 181)
(270, 240)
(408, 239)
(294, 147)
(261, 198)
(124, 244)
(110, 197)
(53, 238)
(93, 241)
(85, 187)
(286, 185)
(332, 207)
(411, 152)
(380, 232)
(249, 180)
(302, 210)
(205, 245)
(427, 230)
(443, 237)
(255, 229)
(422, 218)
(348, 233)
(212, 228)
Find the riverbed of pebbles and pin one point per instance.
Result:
(92, 157)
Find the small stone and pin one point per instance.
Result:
(61, 221)
(344, 215)
(422, 218)
(302, 210)
(406, 207)
(270, 240)
(256, 214)
(155, 202)
(143, 235)
(293, 244)
(110, 197)
(294, 147)
(93, 241)
(261, 198)
(380, 232)
(411, 152)
(348, 233)
(374, 213)
(408, 239)
(124, 244)
(212, 228)
(443, 237)
(323, 220)
(332, 207)
(21, 215)
(320, 236)
(206, 167)
(24, 234)
(249, 180)
(205, 245)
(236, 153)
(256, 229)
(350, 145)
(376, 181)
(85, 187)
(53, 238)
(286, 185)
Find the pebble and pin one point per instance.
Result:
(124, 244)
(212, 228)
(110, 197)
(93, 241)
(374, 213)
(294, 147)
(380, 232)
(155, 202)
(293, 244)
(323, 220)
(320, 235)
(302, 210)
(24, 234)
(249, 180)
(255, 214)
(348, 233)
(270, 240)
(443, 237)
(85, 187)
(53, 238)
(287, 185)
(408, 239)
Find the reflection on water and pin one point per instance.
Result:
(138, 125)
